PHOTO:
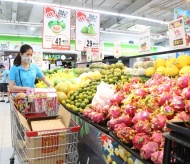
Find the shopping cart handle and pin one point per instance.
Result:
(75, 129)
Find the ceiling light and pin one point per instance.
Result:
(118, 33)
(32, 28)
(87, 9)
(10, 56)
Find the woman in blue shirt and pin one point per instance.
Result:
(23, 73)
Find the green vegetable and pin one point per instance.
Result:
(85, 30)
(91, 30)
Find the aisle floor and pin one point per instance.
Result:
(6, 149)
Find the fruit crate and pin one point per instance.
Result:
(179, 127)
(176, 149)
(134, 152)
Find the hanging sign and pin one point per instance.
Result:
(177, 34)
(87, 30)
(95, 56)
(56, 28)
(89, 54)
(37, 58)
(101, 52)
(117, 48)
(144, 40)
(185, 14)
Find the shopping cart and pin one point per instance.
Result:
(42, 147)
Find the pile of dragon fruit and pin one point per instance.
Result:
(138, 112)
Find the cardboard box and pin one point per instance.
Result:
(46, 138)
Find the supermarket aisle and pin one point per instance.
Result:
(5, 134)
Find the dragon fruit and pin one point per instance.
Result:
(186, 93)
(158, 122)
(126, 119)
(119, 127)
(163, 88)
(157, 157)
(157, 137)
(87, 111)
(115, 112)
(143, 115)
(112, 123)
(164, 97)
(183, 81)
(183, 116)
(135, 80)
(140, 93)
(167, 111)
(148, 149)
(178, 103)
(104, 110)
(176, 91)
(162, 143)
(126, 88)
(129, 109)
(143, 127)
(117, 98)
(187, 106)
(126, 134)
(139, 140)
(98, 118)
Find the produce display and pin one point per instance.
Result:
(171, 67)
(138, 112)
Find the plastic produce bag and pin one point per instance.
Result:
(103, 94)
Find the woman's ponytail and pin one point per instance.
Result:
(17, 61)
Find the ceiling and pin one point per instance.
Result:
(155, 9)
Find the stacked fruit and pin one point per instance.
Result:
(114, 73)
(171, 67)
(138, 112)
(81, 98)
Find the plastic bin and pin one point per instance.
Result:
(176, 149)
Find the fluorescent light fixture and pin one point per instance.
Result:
(20, 35)
(118, 33)
(87, 9)
(138, 28)
(32, 28)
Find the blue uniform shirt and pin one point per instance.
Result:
(27, 77)
(4, 78)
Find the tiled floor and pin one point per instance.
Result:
(6, 149)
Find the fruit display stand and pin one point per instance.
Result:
(98, 145)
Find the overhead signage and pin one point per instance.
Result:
(87, 31)
(117, 48)
(56, 28)
(144, 40)
(177, 34)
(185, 14)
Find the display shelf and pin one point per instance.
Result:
(130, 150)
(143, 55)
(73, 112)
(102, 128)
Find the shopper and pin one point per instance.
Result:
(4, 84)
(23, 73)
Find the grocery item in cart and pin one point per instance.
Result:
(46, 137)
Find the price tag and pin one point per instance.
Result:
(60, 41)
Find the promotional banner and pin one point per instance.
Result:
(144, 41)
(177, 34)
(117, 48)
(56, 28)
(87, 30)
(185, 14)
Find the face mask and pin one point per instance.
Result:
(26, 59)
